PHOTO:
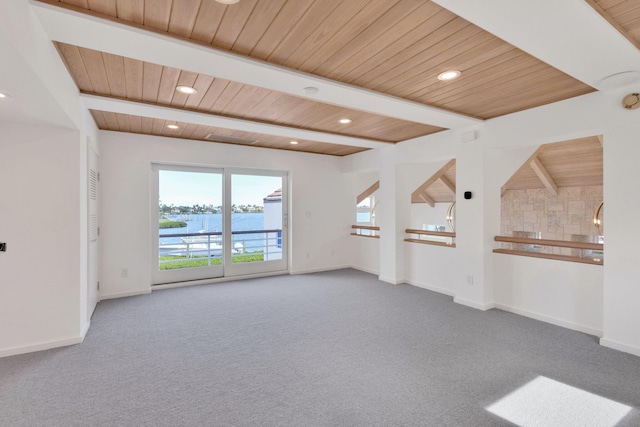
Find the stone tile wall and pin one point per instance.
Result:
(556, 217)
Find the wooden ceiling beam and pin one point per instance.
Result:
(513, 178)
(115, 105)
(415, 196)
(448, 184)
(544, 175)
(366, 193)
(424, 197)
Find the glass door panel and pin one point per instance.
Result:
(257, 222)
(189, 221)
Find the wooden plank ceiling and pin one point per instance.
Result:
(571, 163)
(624, 15)
(439, 188)
(395, 47)
(158, 127)
(100, 73)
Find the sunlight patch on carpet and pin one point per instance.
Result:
(545, 402)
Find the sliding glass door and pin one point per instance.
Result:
(257, 219)
(188, 243)
(217, 223)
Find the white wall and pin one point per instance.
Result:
(43, 160)
(568, 294)
(602, 300)
(364, 251)
(39, 216)
(423, 215)
(424, 265)
(319, 212)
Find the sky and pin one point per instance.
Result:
(196, 188)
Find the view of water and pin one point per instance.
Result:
(213, 222)
(363, 217)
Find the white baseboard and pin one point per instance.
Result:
(124, 294)
(217, 280)
(85, 329)
(320, 270)
(432, 288)
(40, 347)
(620, 347)
(390, 280)
(473, 304)
(366, 270)
(549, 319)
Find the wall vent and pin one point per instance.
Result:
(231, 139)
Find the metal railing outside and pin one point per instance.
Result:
(208, 246)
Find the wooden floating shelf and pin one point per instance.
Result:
(431, 233)
(431, 242)
(365, 235)
(366, 227)
(547, 242)
(592, 261)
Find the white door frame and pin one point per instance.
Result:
(183, 274)
(250, 268)
(227, 269)
(93, 229)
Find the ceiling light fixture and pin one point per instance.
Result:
(345, 121)
(3, 95)
(294, 143)
(310, 90)
(174, 127)
(228, 1)
(449, 75)
(186, 89)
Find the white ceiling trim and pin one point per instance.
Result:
(113, 105)
(568, 35)
(94, 33)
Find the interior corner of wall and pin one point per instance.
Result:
(484, 306)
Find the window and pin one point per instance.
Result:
(366, 205)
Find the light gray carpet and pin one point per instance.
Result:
(329, 349)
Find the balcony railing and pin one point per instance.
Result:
(207, 247)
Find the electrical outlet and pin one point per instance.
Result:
(470, 280)
(124, 272)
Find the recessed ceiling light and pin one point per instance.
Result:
(294, 143)
(174, 127)
(449, 75)
(345, 121)
(3, 95)
(186, 89)
(228, 1)
(310, 90)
